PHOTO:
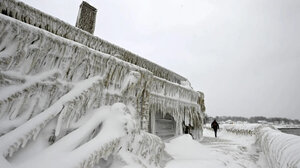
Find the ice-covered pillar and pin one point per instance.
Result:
(151, 122)
(145, 108)
(201, 101)
(86, 19)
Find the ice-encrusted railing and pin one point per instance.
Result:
(281, 149)
(30, 15)
(166, 88)
(241, 129)
(31, 50)
(63, 110)
(144, 146)
(238, 129)
(28, 100)
(18, 137)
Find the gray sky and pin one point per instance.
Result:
(243, 54)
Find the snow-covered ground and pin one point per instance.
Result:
(237, 146)
(265, 147)
(228, 150)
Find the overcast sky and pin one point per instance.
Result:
(243, 54)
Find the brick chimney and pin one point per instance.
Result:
(86, 19)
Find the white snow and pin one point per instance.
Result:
(282, 150)
(70, 151)
(228, 150)
(263, 147)
(109, 130)
(69, 102)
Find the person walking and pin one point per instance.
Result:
(215, 126)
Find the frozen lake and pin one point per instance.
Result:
(295, 131)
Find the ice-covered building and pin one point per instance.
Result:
(54, 75)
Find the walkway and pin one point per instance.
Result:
(228, 150)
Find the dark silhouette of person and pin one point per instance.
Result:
(215, 126)
(187, 129)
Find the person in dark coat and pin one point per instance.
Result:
(187, 129)
(215, 126)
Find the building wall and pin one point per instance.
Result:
(32, 51)
(32, 16)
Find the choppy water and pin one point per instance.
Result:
(295, 131)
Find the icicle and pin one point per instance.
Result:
(24, 141)
(36, 132)
(59, 121)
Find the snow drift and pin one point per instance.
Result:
(107, 132)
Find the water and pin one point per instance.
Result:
(295, 131)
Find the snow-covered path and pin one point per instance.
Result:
(228, 150)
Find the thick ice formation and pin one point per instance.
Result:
(103, 134)
(281, 150)
(179, 101)
(241, 129)
(27, 14)
(54, 77)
